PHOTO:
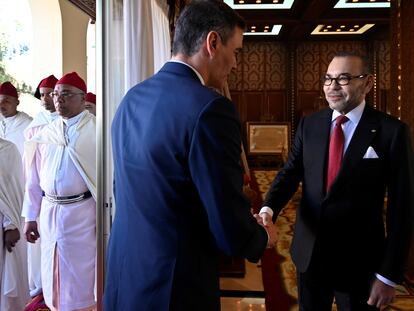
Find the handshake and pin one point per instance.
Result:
(265, 220)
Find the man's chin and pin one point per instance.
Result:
(50, 109)
(63, 114)
(339, 106)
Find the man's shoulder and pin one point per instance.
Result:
(39, 121)
(385, 119)
(172, 90)
(52, 127)
(317, 116)
(24, 116)
(41, 115)
(88, 121)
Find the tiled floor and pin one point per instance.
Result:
(243, 304)
(251, 282)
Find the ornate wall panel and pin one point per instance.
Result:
(254, 105)
(277, 106)
(275, 66)
(308, 72)
(384, 64)
(253, 66)
(329, 49)
(235, 80)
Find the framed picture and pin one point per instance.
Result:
(268, 137)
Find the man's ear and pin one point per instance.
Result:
(212, 42)
(370, 82)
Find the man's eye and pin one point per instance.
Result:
(343, 78)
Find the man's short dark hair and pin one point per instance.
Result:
(198, 19)
(366, 66)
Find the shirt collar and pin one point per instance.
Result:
(73, 120)
(354, 115)
(196, 72)
(51, 115)
(10, 119)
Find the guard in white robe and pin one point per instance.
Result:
(61, 190)
(14, 291)
(90, 103)
(43, 118)
(12, 122)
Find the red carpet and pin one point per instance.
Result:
(278, 271)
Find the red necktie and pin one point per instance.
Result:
(336, 147)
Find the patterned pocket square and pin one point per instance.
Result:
(370, 154)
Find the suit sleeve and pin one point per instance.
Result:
(287, 180)
(400, 206)
(214, 163)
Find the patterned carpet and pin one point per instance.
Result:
(282, 267)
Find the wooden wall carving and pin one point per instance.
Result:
(260, 67)
(275, 66)
(253, 67)
(308, 67)
(384, 64)
(236, 78)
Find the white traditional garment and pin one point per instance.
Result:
(42, 119)
(62, 161)
(12, 129)
(14, 285)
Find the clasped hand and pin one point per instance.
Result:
(265, 220)
(30, 230)
(11, 237)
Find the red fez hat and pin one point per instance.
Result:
(8, 89)
(48, 82)
(90, 97)
(74, 80)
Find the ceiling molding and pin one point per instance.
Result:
(305, 15)
(301, 19)
(87, 6)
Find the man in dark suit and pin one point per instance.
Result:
(340, 246)
(178, 179)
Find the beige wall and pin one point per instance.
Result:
(59, 38)
(47, 39)
(74, 29)
(59, 32)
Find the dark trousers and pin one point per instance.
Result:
(316, 295)
(325, 280)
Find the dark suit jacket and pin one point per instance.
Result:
(178, 181)
(347, 223)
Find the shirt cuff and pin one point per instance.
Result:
(386, 281)
(29, 213)
(7, 224)
(266, 209)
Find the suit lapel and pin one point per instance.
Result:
(365, 132)
(319, 146)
